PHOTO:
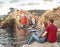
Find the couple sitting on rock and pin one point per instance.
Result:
(47, 33)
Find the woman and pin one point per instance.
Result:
(37, 36)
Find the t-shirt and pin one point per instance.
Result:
(33, 20)
(52, 33)
(23, 20)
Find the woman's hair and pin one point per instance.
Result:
(45, 24)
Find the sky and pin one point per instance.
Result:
(27, 5)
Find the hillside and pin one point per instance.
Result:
(55, 14)
(38, 12)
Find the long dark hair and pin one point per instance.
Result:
(45, 24)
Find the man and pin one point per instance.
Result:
(51, 30)
(23, 20)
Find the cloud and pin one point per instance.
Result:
(1, 2)
(48, 0)
(29, 4)
(33, 4)
(1, 5)
(13, 1)
(58, 2)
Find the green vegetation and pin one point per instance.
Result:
(38, 12)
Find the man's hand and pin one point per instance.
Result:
(44, 34)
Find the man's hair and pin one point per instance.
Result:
(51, 20)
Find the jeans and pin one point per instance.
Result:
(36, 38)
